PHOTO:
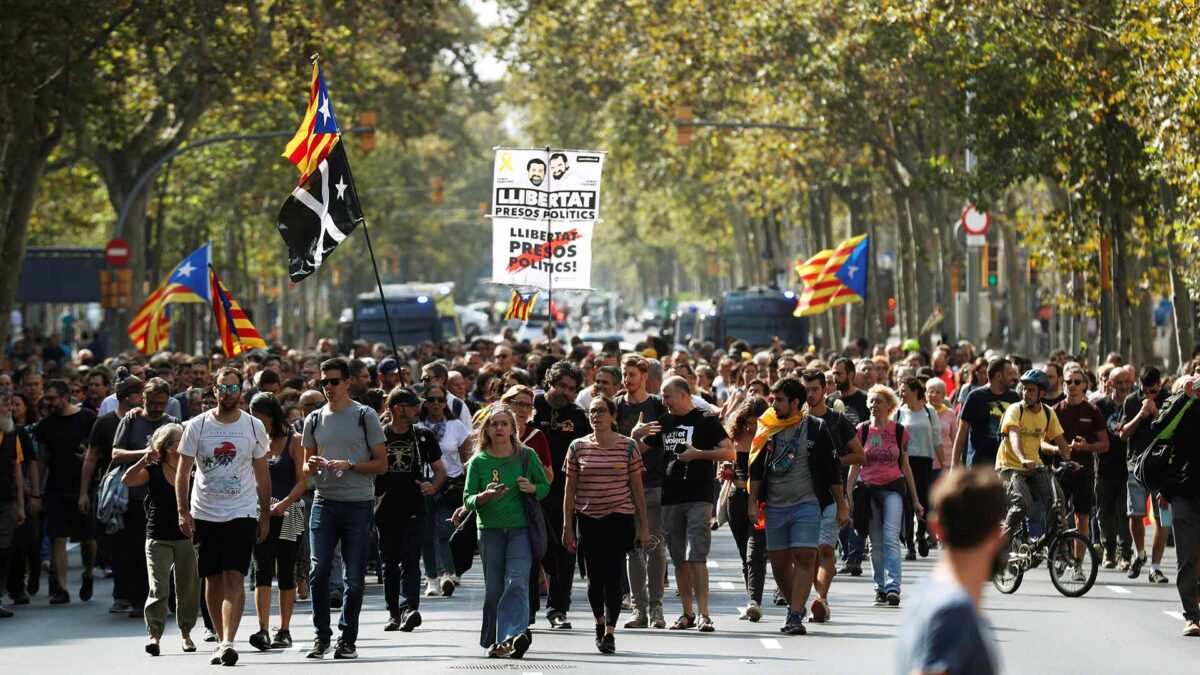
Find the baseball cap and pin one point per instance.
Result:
(388, 365)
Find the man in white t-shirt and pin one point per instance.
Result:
(229, 510)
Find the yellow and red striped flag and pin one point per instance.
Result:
(150, 327)
(842, 278)
(318, 131)
(233, 326)
(520, 306)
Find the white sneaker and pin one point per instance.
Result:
(456, 579)
(1077, 574)
(432, 589)
(447, 585)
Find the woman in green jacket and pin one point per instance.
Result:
(493, 486)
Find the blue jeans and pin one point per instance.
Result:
(436, 543)
(506, 562)
(400, 543)
(331, 523)
(852, 545)
(887, 514)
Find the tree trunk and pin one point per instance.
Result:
(22, 164)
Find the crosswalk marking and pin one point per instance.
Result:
(1118, 589)
(770, 643)
(726, 585)
(1175, 615)
(713, 564)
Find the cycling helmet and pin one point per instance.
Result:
(1036, 378)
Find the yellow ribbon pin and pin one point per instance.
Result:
(495, 475)
(506, 161)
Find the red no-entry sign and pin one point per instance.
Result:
(117, 252)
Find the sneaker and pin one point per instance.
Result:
(820, 611)
(1192, 629)
(61, 597)
(1109, 563)
(500, 650)
(392, 625)
(432, 588)
(282, 639)
(1135, 568)
(599, 634)
(558, 620)
(911, 555)
(409, 619)
(85, 588)
(345, 650)
(229, 656)
(794, 625)
(447, 585)
(923, 548)
(1077, 574)
(209, 636)
(853, 568)
(656, 617)
(893, 598)
(216, 655)
(5, 613)
(1157, 577)
(21, 598)
(880, 598)
(627, 602)
(261, 641)
(335, 601)
(705, 624)
(33, 583)
(684, 622)
(520, 645)
(608, 644)
(319, 647)
(1123, 564)
(639, 620)
(754, 612)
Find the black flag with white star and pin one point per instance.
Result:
(319, 214)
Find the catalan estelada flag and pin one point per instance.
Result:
(834, 277)
(318, 131)
(520, 306)
(237, 333)
(187, 283)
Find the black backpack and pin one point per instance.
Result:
(1160, 467)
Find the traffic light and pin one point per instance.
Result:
(683, 126)
(991, 267)
(367, 138)
(116, 288)
(438, 197)
(891, 303)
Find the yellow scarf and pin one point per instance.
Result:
(769, 425)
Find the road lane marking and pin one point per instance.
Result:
(770, 643)
(1175, 615)
(726, 585)
(1118, 589)
(713, 564)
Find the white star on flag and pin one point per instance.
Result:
(186, 270)
(853, 270)
(341, 188)
(324, 109)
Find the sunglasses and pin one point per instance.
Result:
(1074, 381)
(229, 388)
(426, 378)
(329, 381)
(435, 399)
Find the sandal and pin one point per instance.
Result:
(705, 625)
(500, 650)
(684, 622)
(188, 645)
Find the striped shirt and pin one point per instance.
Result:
(602, 475)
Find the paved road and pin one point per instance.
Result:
(1120, 625)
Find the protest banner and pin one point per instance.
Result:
(531, 255)
(543, 184)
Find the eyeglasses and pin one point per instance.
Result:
(520, 404)
(435, 399)
(329, 381)
(1074, 381)
(597, 411)
(425, 379)
(228, 388)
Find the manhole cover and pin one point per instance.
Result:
(533, 667)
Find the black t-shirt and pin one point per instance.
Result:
(983, 411)
(162, 513)
(693, 481)
(856, 408)
(841, 429)
(1054, 400)
(1142, 435)
(650, 410)
(1111, 464)
(134, 434)
(65, 439)
(408, 454)
(104, 434)
(560, 426)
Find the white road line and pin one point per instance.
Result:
(72, 546)
(770, 643)
(1175, 615)
(1118, 589)
(713, 564)
(726, 585)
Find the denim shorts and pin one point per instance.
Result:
(1136, 501)
(829, 528)
(796, 526)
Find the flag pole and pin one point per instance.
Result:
(549, 253)
(374, 266)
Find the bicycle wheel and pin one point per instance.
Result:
(1008, 577)
(1072, 576)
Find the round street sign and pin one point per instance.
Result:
(117, 252)
(975, 221)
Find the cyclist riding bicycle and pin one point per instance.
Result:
(1026, 428)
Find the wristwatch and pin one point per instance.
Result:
(352, 463)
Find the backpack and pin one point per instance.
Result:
(1159, 466)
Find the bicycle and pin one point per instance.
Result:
(1071, 575)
